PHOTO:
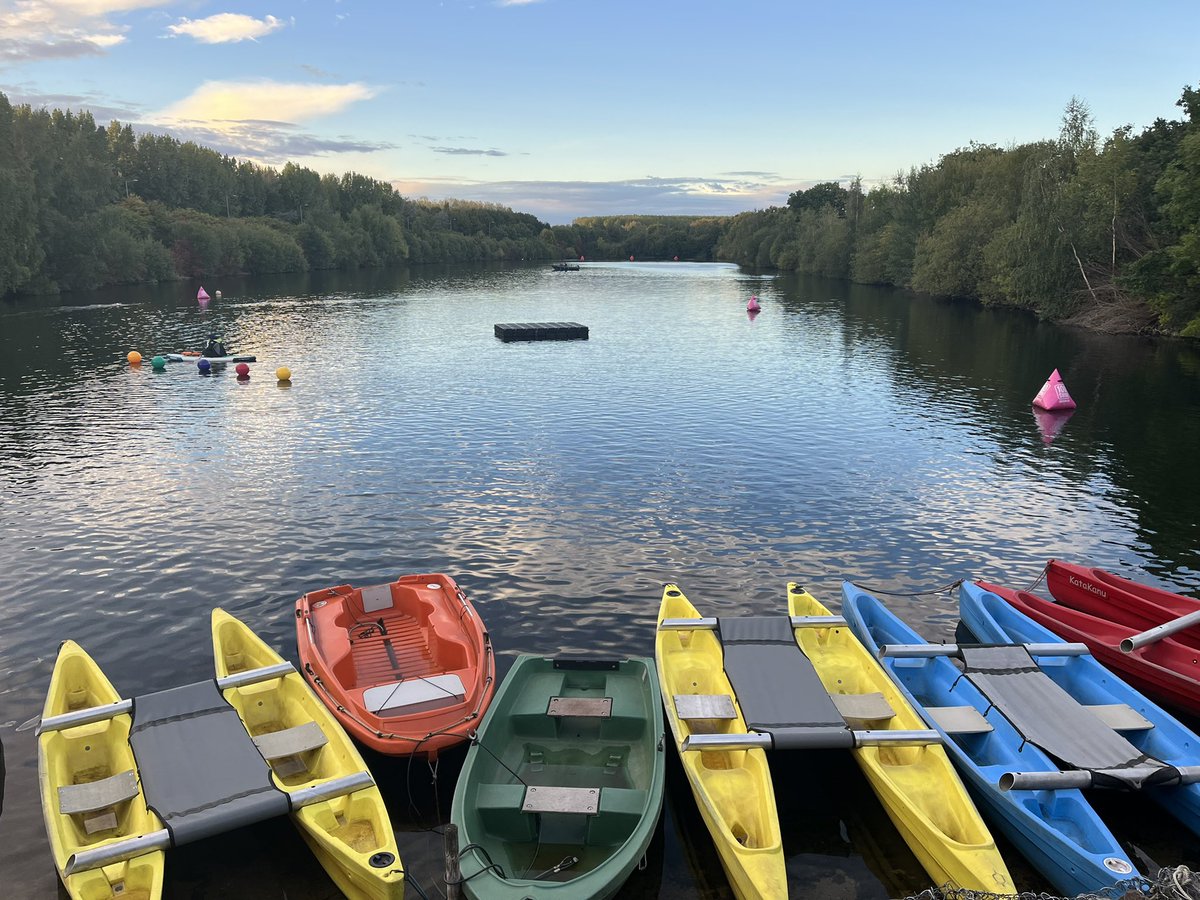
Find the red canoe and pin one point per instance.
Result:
(406, 667)
(1166, 669)
(1101, 593)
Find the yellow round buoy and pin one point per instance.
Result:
(135, 358)
(283, 373)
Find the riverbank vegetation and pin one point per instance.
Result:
(1100, 232)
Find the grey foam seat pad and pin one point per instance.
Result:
(776, 685)
(1045, 714)
(200, 770)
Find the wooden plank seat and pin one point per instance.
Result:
(288, 746)
(413, 695)
(93, 801)
(871, 707)
(958, 719)
(588, 707)
(694, 707)
(549, 799)
(1120, 717)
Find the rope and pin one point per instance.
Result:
(1038, 580)
(942, 590)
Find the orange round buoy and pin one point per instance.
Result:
(135, 358)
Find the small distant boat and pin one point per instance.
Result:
(562, 789)
(406, 667)
(566, 267)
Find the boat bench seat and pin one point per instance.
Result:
(1121, 717)
(288, 746)
(93, 801)
(958, 719)
(414, 695)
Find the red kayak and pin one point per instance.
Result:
(1166, 669)
(406, 667)
(1101, 593)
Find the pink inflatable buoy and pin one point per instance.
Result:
(1054, 395)
(752, 304)
(201, 294)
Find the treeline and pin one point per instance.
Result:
(1102, 233)
(692, 238)
(84, 206)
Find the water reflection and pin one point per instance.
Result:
(853, 432)
(1050, 423)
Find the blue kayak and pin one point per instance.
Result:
(1057, 830)
(1152, 731)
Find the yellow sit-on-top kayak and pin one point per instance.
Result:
(732, 788)
(916, 784)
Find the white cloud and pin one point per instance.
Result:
(226, 28)
(238, 101)
(61, 29)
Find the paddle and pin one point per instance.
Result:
(1158, 633)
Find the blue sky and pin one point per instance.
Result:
(565, 108)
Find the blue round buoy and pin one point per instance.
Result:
(203, 364)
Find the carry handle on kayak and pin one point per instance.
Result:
(1082, 779)
(709, 623)
(928, 651)
(1159, 632)
(119, 851)
(754, 740)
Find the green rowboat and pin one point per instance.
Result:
(562, 787)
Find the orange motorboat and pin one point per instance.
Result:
(406, 667)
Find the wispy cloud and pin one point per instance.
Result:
(468, 151)
(62, 29)
(517, 2)
(226, 28)
(560, 202)
(100, 107)
(269, 143)
(231, 101)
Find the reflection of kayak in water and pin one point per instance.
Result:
(192, 356)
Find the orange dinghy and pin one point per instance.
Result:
(406, 667)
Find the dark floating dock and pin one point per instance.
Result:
(541, 331)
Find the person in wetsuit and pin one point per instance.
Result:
(215, 348)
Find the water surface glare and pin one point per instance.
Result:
(846, 432)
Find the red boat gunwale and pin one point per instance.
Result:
(406, 667)
(1165, 669)
(1101, 593)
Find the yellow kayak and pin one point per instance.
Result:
(351, 835)
(102, 802)
(270, 747)
(917, 784)
(732, 787)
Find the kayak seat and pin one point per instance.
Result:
(864, 708)
(958, 719)
(705, 713)
(1121, 717)
(95, 801)
(285, 749)
(621, 809)
(499, 809)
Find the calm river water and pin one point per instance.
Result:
(846, 432)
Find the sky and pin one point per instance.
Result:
(570, 108)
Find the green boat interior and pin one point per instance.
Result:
(565, 770)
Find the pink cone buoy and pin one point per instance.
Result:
(1054, 394)
(201, 294)
(752, 304)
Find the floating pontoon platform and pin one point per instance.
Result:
(541, 331)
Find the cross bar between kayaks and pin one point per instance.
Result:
(928, 651)
(119, 851)
(817, 741)
(709, 623)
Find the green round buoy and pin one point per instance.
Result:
(159, 362)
